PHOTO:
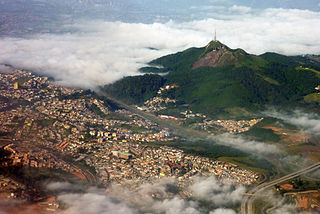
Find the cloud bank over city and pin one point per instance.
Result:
(159, 196)
(98, 52)
(156, 197)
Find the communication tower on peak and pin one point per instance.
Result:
(215, 35)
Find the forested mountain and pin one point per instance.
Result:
(136, 89)
(216, 79)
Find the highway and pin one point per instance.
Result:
(91, 179)
(249, 197)
(190, 134)
(187, 133)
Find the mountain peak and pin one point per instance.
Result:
(217, 54)
(212, 55)
(216, 45)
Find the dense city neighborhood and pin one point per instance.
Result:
(42, 123)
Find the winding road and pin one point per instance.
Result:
(249, 197)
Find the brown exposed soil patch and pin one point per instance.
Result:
(211, 59)
(291, 137)
(308, 201)
(273, 128)
(286, 187)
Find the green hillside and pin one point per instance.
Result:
(216, 79)
(135, 89)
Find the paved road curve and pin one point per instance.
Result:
(190, 134)
(248, 199)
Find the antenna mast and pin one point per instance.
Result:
(215, 35)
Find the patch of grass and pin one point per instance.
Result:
(238, 113)
(134, 128)
(46, 122)
(263, 134)
(23, 80)
(312, 98)
(95, 109)
(248, 163)
(260, 205)
(300, 68)
(115, 116)
(223, 153)
(67, 132)
(269, 80)
(176, 112)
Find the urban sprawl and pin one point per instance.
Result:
(42, 123)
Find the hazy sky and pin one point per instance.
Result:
(142, 11)
(88, 43)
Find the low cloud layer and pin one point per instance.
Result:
(148, 198)
(209, 189)
(309, 122)
(222, 211)
(90, 203)
(243, 144)
(98, 52)
(5, 69)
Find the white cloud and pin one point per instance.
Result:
(245, 145)
(217, 1)
(123, 199)
(99, 52)
(240, 9)
(208, 7)
(93, 203)
(174, 205)
(60, 186)
(309, 122)
(223, 211)
(209, 189)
